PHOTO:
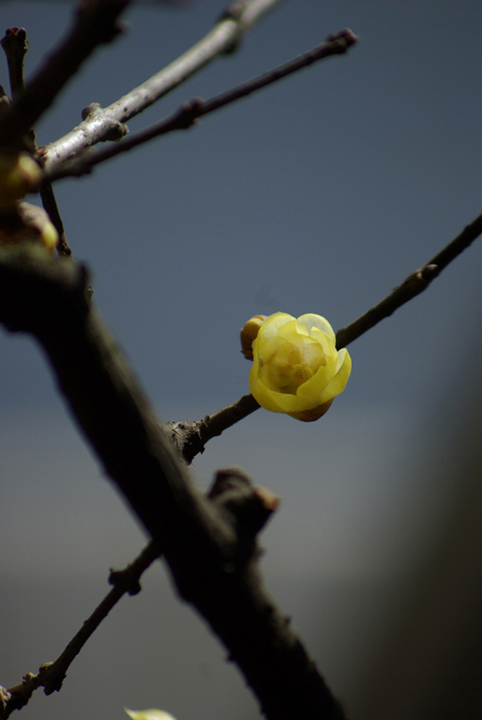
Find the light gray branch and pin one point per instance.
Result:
(100, 124)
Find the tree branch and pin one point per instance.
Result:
(15, 45)
(100, 124)
(95, 24)
(209, 542)
(188, 113)
(191, 437)
(413, 285)
(51, 675)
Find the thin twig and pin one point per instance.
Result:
(99, 124)
(50, 205)
(52, 675)
(188, 113)
(15, 45)
(96, 23)
(413, 285)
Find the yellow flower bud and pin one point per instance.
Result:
(27, 223)
(249, 333)
(296, 367)
(19, 173)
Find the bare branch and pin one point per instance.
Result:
(191, 437)
(50, 205)
(186, 116)
(101, 124)
(208, 542)
(95, 24)
(413, 285)
(15, 45)
(51, 675)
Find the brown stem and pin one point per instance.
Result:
(210, 547)
(413, 285)
(108, 123)
(52, 675)
(50, 205)
(186, 116)
(191, 437)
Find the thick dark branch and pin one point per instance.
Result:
(95, 24)
(186, 116)
(412, 286)
(208, 542)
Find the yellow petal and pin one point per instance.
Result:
(317, 321)
(273, 322)
(296, 367)
(25, 222)
(338, 383)
(149, 715)
(19, 173)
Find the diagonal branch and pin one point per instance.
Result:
(101, 124)
(413, 285)
(191, 437)
(186, 116)
(209, 542)
(51, 675)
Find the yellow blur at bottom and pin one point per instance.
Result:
(149, 715)
(25, 222)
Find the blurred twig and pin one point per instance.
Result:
(96, 23)
(188, 113)
(15, 45)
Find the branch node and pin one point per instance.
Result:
(116, 130)
(343, 39)
(430, 272)
(234, 13)
(47, 677)
(125, 580)
(188, 113)
(187, 437)
(250, 507)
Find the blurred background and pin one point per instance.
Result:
(319, 194)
